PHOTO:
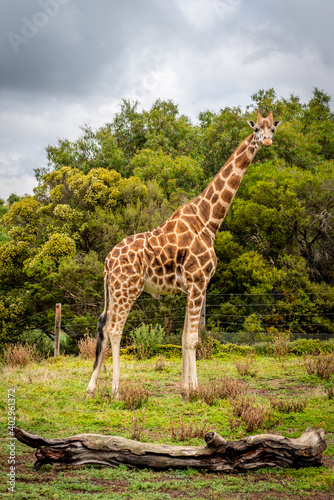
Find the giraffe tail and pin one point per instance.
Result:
(100, 335)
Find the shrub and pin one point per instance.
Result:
(236, 349)
(160, 364)
(245, 367)
(261, 348)
(43, 345)
(279, 346)
(252, 416)
(146, 339)
(206, 393)
(170, 350)
(302, 347)
(87, 347)
(288, 406)
(207, 347)
(224, 388)
(189, 431)
(229, 388)
(321, 365)
(167, 350)
(307, 347)
(137, 425)
(20, 354)
(134, 396)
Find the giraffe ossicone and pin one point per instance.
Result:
(177, 256)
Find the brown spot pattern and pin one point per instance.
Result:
(227, 170)
(227, 196)
(234, 181)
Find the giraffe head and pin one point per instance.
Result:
(264, 128)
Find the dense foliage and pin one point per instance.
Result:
(275, 259)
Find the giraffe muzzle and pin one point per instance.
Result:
(267, 142)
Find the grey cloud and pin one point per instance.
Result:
(86, 56)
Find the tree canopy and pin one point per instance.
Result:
(128, 176)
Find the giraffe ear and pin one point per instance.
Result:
(277, 123)
(251, 123)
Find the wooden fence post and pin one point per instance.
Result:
(57, 330)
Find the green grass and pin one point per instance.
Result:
(51, 401)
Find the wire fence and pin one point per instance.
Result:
(237, 318)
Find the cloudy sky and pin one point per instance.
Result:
(66, 63)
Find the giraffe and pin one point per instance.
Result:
(177, 256)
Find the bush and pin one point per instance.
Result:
(167, 350)
(146, 339)
(288, 406)
(20, 355)
(188, 431)
(224, 388)
(249, 414)
(245, 368)
(236, 349)
(43, 345)
(134, 396)
(87, 347)
(279, 346)
(321, 365)
(306, 347)
(170, 350)
(207, 347)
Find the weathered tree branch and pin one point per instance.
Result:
(252, 452)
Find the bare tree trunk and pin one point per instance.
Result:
(252, 452)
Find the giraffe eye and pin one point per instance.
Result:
(273, 129)
(256, 129)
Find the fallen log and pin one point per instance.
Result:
(219, 455)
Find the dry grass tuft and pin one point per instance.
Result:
(279, 346)
(245, 368)
(20, 354)
(224, 388)
(288, 406)
(321, 365)
(189, 431)
(134, 396)
(138, 425)
(87, 347)
(160, 364)
(253, 416)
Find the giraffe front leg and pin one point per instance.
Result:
(185, 361)
(190, 341)
(118, 319)
(115, 344)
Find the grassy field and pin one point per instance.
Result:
(50, 401)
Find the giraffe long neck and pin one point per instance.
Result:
(215, 200)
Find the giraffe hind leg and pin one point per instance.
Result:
(101, 345)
